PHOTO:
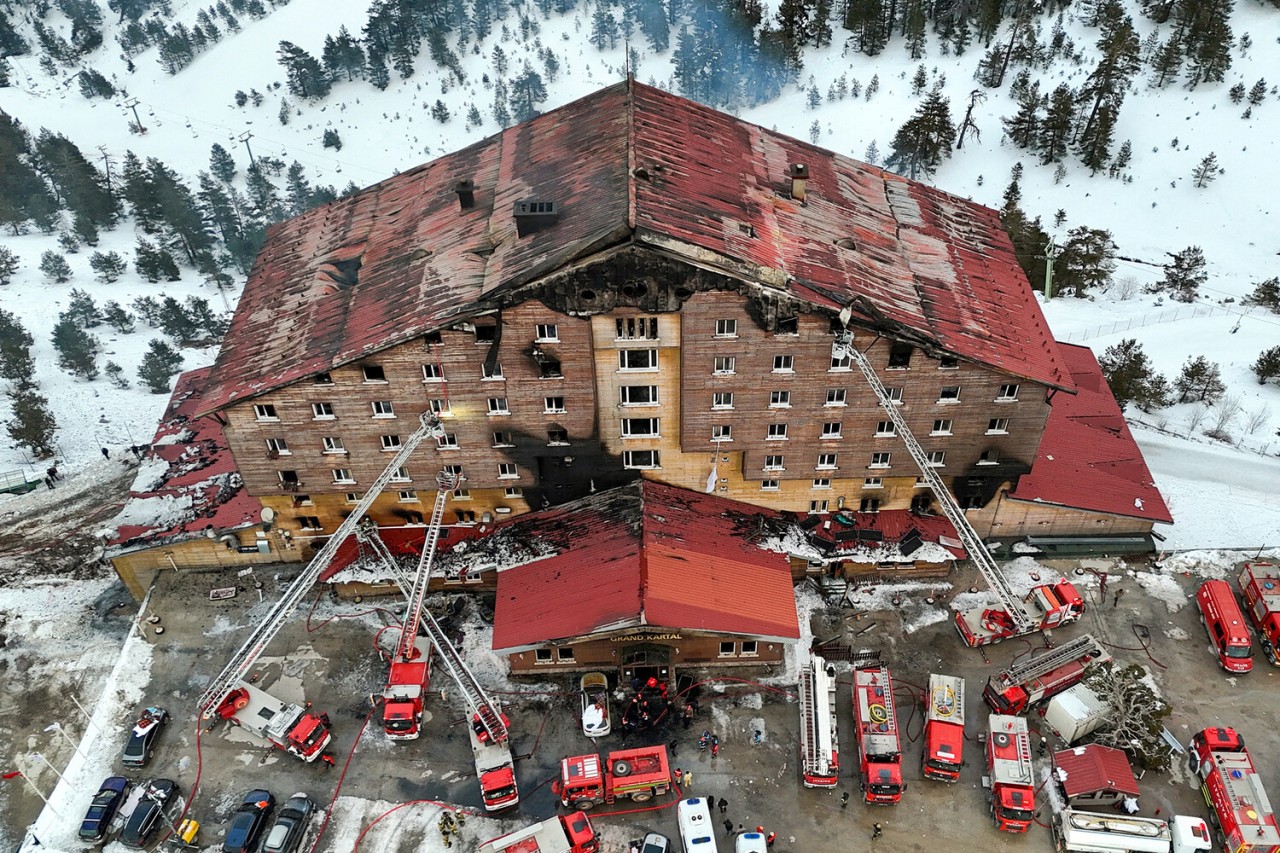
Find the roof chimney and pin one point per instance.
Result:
(533, 216)
(466, 190)
(799, 177)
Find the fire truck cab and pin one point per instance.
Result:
(1225, 624)
(1260, 583)
(1232, 787)
(569, 834)
(1025, 683)
(402, 700)
(1013, 798)
(629, 774)
(943, 728)
(494, 768)
(876, 725)
(285, 725)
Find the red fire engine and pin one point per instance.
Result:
(1023, 684)
(494, 766)
(1013, 797)
(1260, 583)
(943, 728)
(1047, 606)
(287, 726)
(569, 834)
(876, 725)
(819, 741)
(635, 774)
(1233, 790)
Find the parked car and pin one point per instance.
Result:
(146, 817)
(104, 806)
(655, 842)
(291, 824)
(595, 704)
(142, 740)
(248, 821)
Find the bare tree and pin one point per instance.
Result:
(1257, 418)
(1196, 417)
(1124, 289)
(1227, 410)
(1135, 722)
(968, 125)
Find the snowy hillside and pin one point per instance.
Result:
(1152, 209)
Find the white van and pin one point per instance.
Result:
(697, 833)
(750, 842)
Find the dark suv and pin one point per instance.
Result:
(291, 824)
(247, 821)
(146, 817)
(104, 806)
(142, 739)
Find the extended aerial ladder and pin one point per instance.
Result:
(1023, 684)
(819, 738)
(242, 662)
(977, 550)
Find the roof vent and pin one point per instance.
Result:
(799, 178)
(466, 190)
(533, 216)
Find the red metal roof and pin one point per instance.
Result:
(1087, 458)
(201, 488)
(627, 165)
(644, 554)
(893, 525)
(1096, 768)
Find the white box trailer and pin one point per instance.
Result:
(1100, 832)
(1074, 713)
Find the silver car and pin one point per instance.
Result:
(291, 825)
(655, 843)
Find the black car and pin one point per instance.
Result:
(103, 808)
(142, 740)
(290, 826)
(248, 821)
(146, 817)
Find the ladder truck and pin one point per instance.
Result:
(231, 695)
(1013, 795)
(571, 833)
(1018, 617)
(943, 754)
(1260, 583)
(1232, 788)
(819, 739)
(876, 725)
(1024, 684)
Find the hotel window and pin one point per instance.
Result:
(1008, 394)
(322, 411)
(400, 475)
(990, 456)
(503, 439)
(937, 458)
(948, 362)
(774, 462)
(728, 649)
(827, 461)
(638, 359)
(277, 447)
(303, 500)
(998, 426)
(432, 373)
(818, 506)
(390, 442)
(549, 369)
(323, 379)
(880, 460)
(491, 372)
(831, 429)
(722, 400)
(486, 334)
(498, 406)
(722, 432)
(895, 395)
(454, 471)
(546, 332)
(343, 475)
(553, 405)
(725, 364)
(448, 441)
(374, 373)
(565, 654)
(354, 497)
(513, 492)
(784, 364)
(542, 655)
(885, 429)
(639, 427)
(769, 486)
(949, 394)
(463, 495)
(408, 496)
(637, 328)
(309, 522)
(789, 326)
(842, 362)
(557, 437)
(835, 397)
(869, 505)
(638, 395)
(288, 478)
(873, 483)
(779, 399)
(383, 409)
(750, 648)
(899, 356)
(777, 432)
(822, 483)
(941, 426)
(641, 459)
(508, 471)
(265, 412)
(726, 328)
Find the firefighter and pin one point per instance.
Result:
(768, 841)
(715, 745)
(688, 714)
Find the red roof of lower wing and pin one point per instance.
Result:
(1096, 768)
(1088, 459)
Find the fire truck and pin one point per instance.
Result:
(287, 726)
(1024, 684)
(876, 725)
(1233, 791)
(495, 768)
(1046, 607)
(569, 834)
(1013, 796)
(819, 741)
(943, 728)
(1260, 583)
(628, 774)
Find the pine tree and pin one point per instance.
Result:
(109, 266)
(1129, 373)
(55, 267)
(331, 139)
(1205, 26)
(1258, 93)
(377, 72)
(921, 144)
(184, 227)
(343, 54)
(117, 318)
(94, 85)
(1206, 171)
(1116, 169)
(1094, 147)
(913, 28)
(1055, 131)
(298, 189)
(1266, 294)
(919, 80)
(1200, 381)
(82, 309)
(8, 265)
(304, 74)
(1086, 261)
(1267, 367)
(76, 182)
(604, 29)
(527, 91)
(1167, 62)
(1023, 128)
(77, 349)
(115, 375)
(1236, 93)
(137, 190)
(158, 366)
(15, 351)
(866, 20)
(31, 424)
(221, 163)
(263, 195)
(1183, 275)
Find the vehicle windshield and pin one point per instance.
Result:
(313, 737)
(942, 765)
(500, 793)
(884, 789)
(398, 725)
(1239, 651)
(1017, 814)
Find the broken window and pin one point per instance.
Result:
(374, 373)
(869, 505)
(486, 334)
(788, 326)
(637, 328)
(899, 355)
(265, 412)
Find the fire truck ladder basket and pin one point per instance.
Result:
(238, 668)
(1023, 672)
(973, 544)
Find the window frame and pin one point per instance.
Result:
(721, 432)
(829, 434)
(279, 446)
(491, 375)
(784, 363)
(508, 471)
(726, 328)
(323, 411)
(998, 426)
(821, 506)
(383, 409)
(881, 459)
(630, 460)
(1012, 389)
(779, 399)
(722, 401)
(379, 372)
(392, 446)
(937, 458)
(654, 428)
(265, 412)
(774, 462)
(770, 485)
(333, 445)
(448, 441)
(724, 365)
(496, 406)
(777, 432)
(433, 373)
(828, 462)
(885, 429)
(624, 355)
(342, 476)
(837, 397)
(624, 391)
(540, 331)
(942, 426)
(551, 408)
(949, 395)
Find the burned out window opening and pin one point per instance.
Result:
(309, 522)
(503, 439)
(949, 394)
(787, 326)
(549, 369)
(637, 328)
(922, 504)
(374, 374)
(557, 437)
(486, 334)
(948, 362)
(869, 505)
(900, 355)
(323, 379)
